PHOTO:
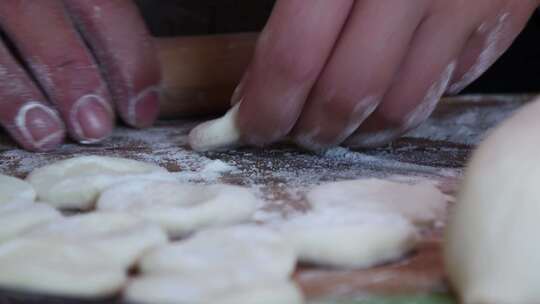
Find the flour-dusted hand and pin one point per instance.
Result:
(70, 65)
(364, 72)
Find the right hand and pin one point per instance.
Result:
(364, 72)
(66, 66)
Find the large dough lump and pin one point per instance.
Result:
(492, 250)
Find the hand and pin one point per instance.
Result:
(69, 65)
(365, 72)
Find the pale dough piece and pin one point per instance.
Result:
(348, 238)
(170, 289)
(265, 293)
(492, 249)
(61, 269)
(243, 253)
(122, 237)
(218, 134)
(180, 208)
(15, 190)
(18, 217)
(422, 203)
(76, 183)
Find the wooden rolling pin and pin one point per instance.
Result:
(200, 73)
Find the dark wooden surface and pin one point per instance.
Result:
(281, 174)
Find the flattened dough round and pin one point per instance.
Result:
(243, 253)
(61, 269)
(76, 183)
(15, 190)
(19, 217)
(492, 246)
(207, 290)
(122, 237)
(421, 203)
(180, 208)
(348, 238)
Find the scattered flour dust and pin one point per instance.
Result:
(468, 126)
(210, 171)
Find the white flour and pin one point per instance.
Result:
(468, 126)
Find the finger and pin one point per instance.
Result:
(23, 113)
(63, 66)
(490, 40)
(289, 57)
(420, 83)
(123, 47)
(361, 69)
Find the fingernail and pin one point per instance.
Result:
(308, 140)
(360, 113)
(218, 134)
(455, 89)
(468, 78)
(431, 99)
(40, 126)
(145, 108)
(317, 140)
(490, 53)
(484, 61)
(92, 119)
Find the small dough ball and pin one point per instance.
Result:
(218, 134)
(244, 253)
(421, 203)
(47, 267)
(19, 217)
(348, 238)
(492, 249)
(122, 237)
(77, 182)
(181, 208)
(172, 289)
(15, 190)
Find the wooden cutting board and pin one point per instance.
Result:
(281, 174)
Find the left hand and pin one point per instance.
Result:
(71, 66)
